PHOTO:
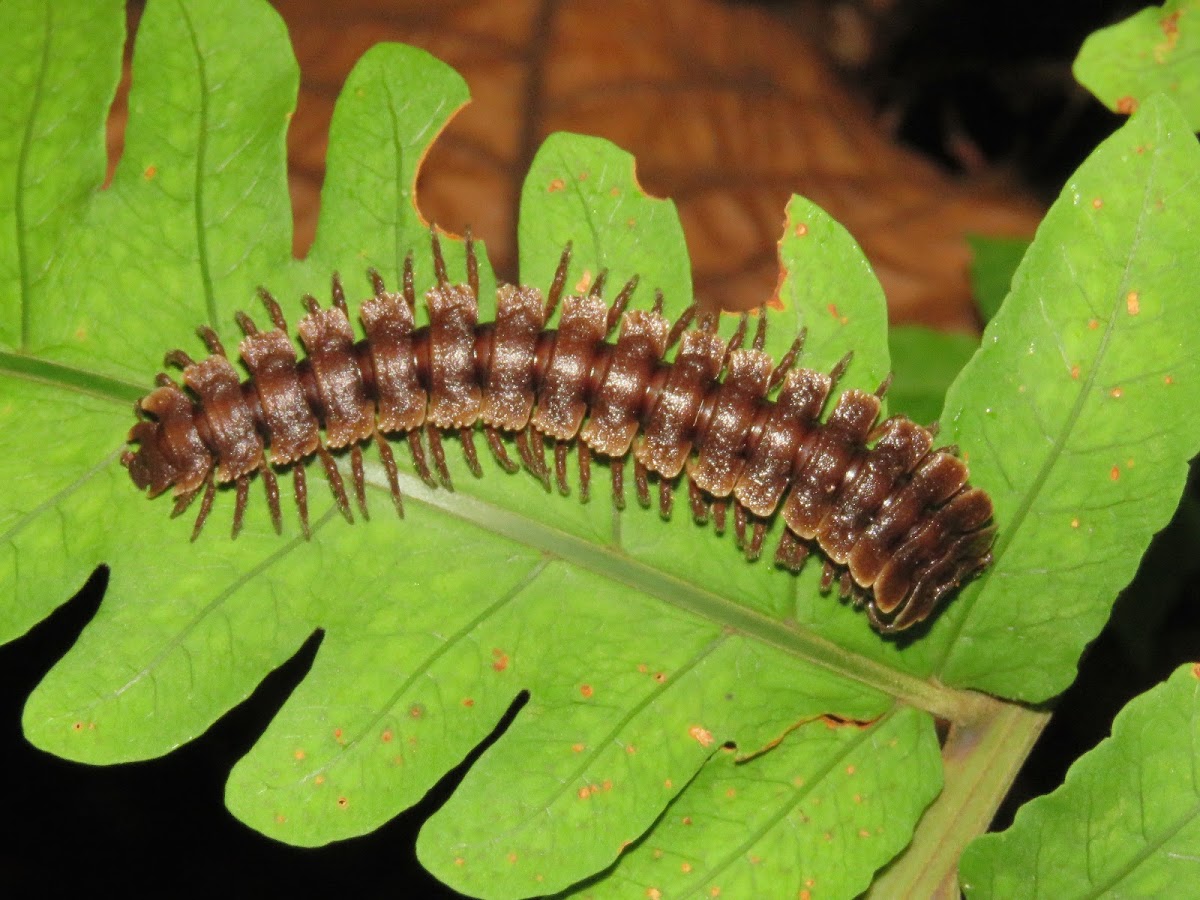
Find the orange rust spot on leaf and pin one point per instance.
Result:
(802, 229)
(858, 798)
(1093, 324)
(1132, 303)
(417, 710)
(862, 832)
(343, 802)
(1075, 522)
(808, 882)
(397, 760)
(78, 726)
(660, 677)
(731, 793)
(578, 748)
(658, 854)
(702, 736)
(468, 701)
(850, 770)
(1129, 463)
(1114, 473)
(499, 659)
(584, 175)
(1126, 105)
(1097, 203)
(833, 311)
(320, 779)
(459, 861)
(687, 820)
(1167, 379)
(643, 668)
(714, 891)
(586, 690)
(299, 754)
(280, 818)
(685, 867)
(150, 172)
(654, 893)
(755, 859)
(1196, 670)
(557, 185)
(386, 737)
(828, 836)
(337, 734)
(805, 894)
(630, 749)
(585, 792)
(667, 783)
(631, 223)
(1075, 372)
(798, 781)
(607, 784)
(614, 192)
(512, 858)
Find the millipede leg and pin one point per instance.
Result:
(556, 286)
(472, 265)
(618, 307)
(840, 369)
(641, 483)
(239, 506)
(439, 261)
(827, 574)
(560, 467)
(585, 471)
(719, 507)
(211, 340)
(754, 551)
(273, 309)
(497, 447)
(680, 326)
(439, 455)
(739, 525)
(339, 295)
(533, 452)
(760, 331)
(245, 323)
(845, 585)
(272, 488)
(210, 492)
(739, 335)
(697, 502)
(410, 294)
(789, 360)
(418, 455)
(300, 487)
(791, 552)
(389, 466)
(334, 477)
(467, 436)
(360, 487)
(882, 390)
(617, 465)
(178, 358)
(182, 502)
(665, 496)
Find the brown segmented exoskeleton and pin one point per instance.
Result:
(898, 524)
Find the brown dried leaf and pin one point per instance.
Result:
(729, 110)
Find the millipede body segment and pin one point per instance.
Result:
(898, 524)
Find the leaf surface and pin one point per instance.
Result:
(1126, 821)
(1156, 50)
(1071, 413)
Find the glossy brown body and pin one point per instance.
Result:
(893, 516)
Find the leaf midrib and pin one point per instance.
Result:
(21, 237)
(606, 561)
